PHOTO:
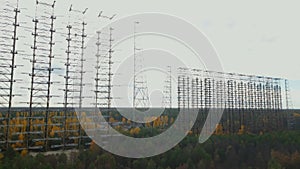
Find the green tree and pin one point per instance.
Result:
(106, 161)
(151, 164)
(273, 164)
(139, 164)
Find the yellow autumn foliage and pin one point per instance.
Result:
(1, 156)
(219, 129)
(24, 153)
(135, 131)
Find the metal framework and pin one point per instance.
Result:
(74, 73)
(104, 64)
(289, 105)
(41, 74)
(8, 52)
(167, 93)
(240, 95)
(97, 67)
(253, 103)
(140, 88)
(104, 74)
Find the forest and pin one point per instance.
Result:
(273, 150)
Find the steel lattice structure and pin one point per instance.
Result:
(74, 73)
(253, 103)
(239, 95)
(41, 73)
(8, 52)
(104, 74)
(167, 93)
(140, 88)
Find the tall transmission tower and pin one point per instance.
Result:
(97, 67)
(74, 74)
(41, 72)
(104, 74)
(110, 63)
(104, 63)
(83, 36)
(68, 83)
(8, 53)
(140, 89)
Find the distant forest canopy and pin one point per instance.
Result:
(276, 150)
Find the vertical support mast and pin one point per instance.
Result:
(169, 88)
(289, 105)
(41, 73)
(179, 92)
(287, 95)
(167, 92)
(110, 69)
(74, 76)
(67, 64)
(134, 65)
(104, 74)
(140, 89)
(67, 77)
(12, 80)
(83, 36)
(98, 55)
(13, 66)
(8, 48)
(34, 48)
(170, 83)
(50, 69)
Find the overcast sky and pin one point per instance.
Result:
(251, 37)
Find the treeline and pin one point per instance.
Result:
(278, 150)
